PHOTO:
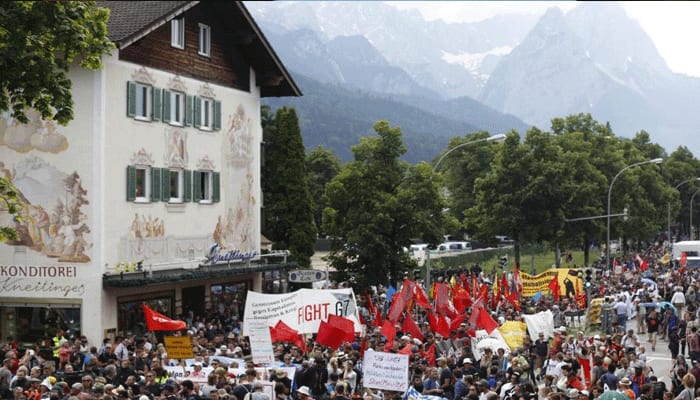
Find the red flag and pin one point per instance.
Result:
(429, 355)
(282, 332)
(461, 298)
(642, 263)
(517, 282)
(420, 297)
(329, 335)
(504, 286)
(346, 326)
(377, 318)
(454, 325)
(432, 320)
(370, 306)
(484, 320)
(443, 305)
(513, 299)
(581, 300)
(406, 349)
(483, 295)
(409, 326)
(684, 259)
(443, 327)
(156, 321)
(389, 331)
(555, 288)
(400, 301)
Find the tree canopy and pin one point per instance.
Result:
(39, 40)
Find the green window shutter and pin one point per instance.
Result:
(130, 183)
(216, 187)
(130, 99)
(188, 185)
(197, 186)
(188, 111)
(166, 105)
(197, 112)
(165, 180)
(217, 115)
(156, 104)
(155, 184)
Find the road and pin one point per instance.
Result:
(660, 360)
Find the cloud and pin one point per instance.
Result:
(37, 134)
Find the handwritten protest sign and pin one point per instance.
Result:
(178, 347)
(386, 371)
(260, 343)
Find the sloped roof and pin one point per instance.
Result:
(131, 20)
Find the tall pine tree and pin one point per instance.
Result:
(288, 214)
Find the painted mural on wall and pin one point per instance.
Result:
(37, 134)
(53, 220)
(147, 226)
(236, 229)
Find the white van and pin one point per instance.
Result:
(454, 246)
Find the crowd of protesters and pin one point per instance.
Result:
(574, 363)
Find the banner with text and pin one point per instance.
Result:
(386, 371)
(570, 282)
(302, 310)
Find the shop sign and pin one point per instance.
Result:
(306, 275)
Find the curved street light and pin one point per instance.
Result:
(670, 241)
(607, 241)
(692, 198)
(495, 138)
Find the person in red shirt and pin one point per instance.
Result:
(572, 378)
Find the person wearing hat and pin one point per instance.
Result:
(625, 384)
(281, 377)
(303, 393)
(573, 393)
(468, 367)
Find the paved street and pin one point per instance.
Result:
(660, 360)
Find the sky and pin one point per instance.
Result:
(672, 25)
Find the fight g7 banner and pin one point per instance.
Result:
(570, 282)
(302, 310)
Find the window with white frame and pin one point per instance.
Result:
(142, 184)
(206, 113)
(177, 107)
(176, 185)
(204, 40)
(204, 188)
(177, 33)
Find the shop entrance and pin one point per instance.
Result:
(193, 300)
(34, 323)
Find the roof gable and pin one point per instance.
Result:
(131, 20)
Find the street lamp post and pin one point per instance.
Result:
(692, 198)
(670, 242)
(496, 139)
(607, 241)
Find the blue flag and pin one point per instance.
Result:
(537, 296)
(389, 293)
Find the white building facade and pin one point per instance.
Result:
(160, 166)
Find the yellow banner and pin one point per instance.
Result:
(568, 284)
(596, 305)
(513, 333)
(178, 347)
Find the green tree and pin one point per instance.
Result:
(322, 165)
(288, 204)
(10, 203)
(39, 40)
(376, 205)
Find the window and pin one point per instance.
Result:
(206, 187)
(143, 184)
(142, 102)
(177, 33)
(177, 108)
(176, 186)
(204, 40)
(206, 113)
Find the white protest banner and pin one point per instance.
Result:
(386, 371)
(302, 310)
(483, 340)
(543, 322)
(175, 372)
(198, 377)
(226, 360)
(260, 343)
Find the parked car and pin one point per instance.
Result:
(455, 246)
(504, 240)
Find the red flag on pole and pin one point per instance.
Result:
(429, 355)
(282, 332)
(389, 330)
(443, 327)
(329, 335)
(409, 326)
(455, 323)
(346, 326)
(156, 321)
(461, 298)
(484, 320)
(684, 259)
(420, 297)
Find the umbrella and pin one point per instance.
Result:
(648, 281)
(666, 303)
(649, 305)
(612, 395)
(491, 343)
